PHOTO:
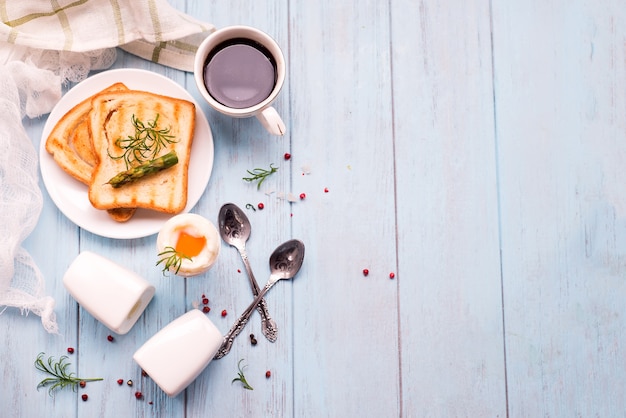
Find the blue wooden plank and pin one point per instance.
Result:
(451, 334)
(345, 349)
(560, 82)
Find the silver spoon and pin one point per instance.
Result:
(235, 230)
(285, 262)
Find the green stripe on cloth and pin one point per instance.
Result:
(25, 19)
(182, 46)
(165, 53)
(65, 25)
(4, 16)
(156, 23)
(156, 52)
(119, 24)
(176, 46)
(156, 26)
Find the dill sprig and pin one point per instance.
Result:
(146, 144)
(172, 258)
(241, 377)
(260, 174)
(58, 370)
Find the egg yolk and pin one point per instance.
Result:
(190, 245)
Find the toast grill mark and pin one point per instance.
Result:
(105, 130)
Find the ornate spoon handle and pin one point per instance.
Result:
(268, 326)
(239, 325)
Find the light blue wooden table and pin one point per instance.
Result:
(476, 149)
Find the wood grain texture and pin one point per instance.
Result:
(451, 327)
(345, 337)
(560, 100)
(474, 149)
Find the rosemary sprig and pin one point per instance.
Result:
(241, 378)
(146, 144)
(58, 370)
(172, 258)
(260, 174)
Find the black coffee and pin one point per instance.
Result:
(240, 73)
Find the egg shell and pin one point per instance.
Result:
(168, 237)
(112, 294)
(178, 353)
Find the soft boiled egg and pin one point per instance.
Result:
(191, 238)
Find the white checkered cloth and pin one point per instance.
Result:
(44, 44)
(151, 29)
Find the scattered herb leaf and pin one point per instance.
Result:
(60, 377)
(260, 174)
(250, 206)
(171, 258)
(241, 377)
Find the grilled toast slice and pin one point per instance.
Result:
(114, 116)
(80, 142)
(70, 140)
(71, 146)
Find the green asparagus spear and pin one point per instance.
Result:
(145, 169)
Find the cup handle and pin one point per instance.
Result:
(271, 120)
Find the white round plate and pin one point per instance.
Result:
(70, 195)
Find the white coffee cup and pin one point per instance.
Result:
(216, 51)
